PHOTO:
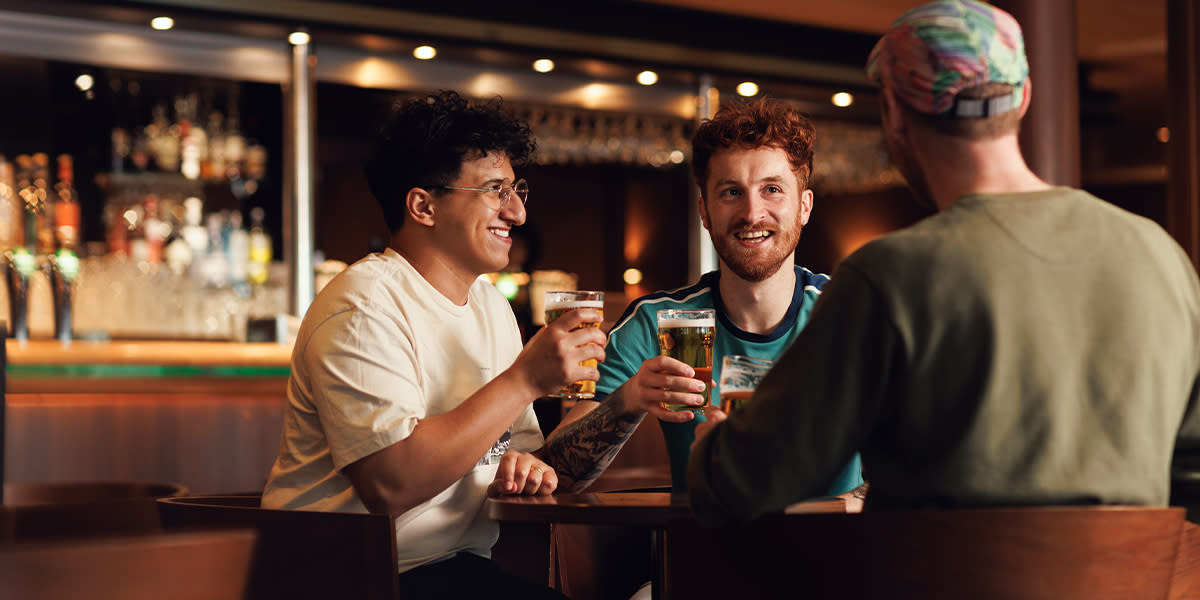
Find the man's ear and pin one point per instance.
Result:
(806, 205)
(420, 206)
(1026, 96)
(702, 208)
(893, 116)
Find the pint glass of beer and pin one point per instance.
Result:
(687, 335)
(739, 376)
(559, 303)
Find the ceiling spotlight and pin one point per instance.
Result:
(647, 78)
(84, 82)
(632, 276)
(543, 65)
(842, 99)
(299, 38)
(747, 88)
(424, 52)
(162, 23)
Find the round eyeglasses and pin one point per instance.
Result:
(502, 192)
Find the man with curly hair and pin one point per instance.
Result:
(753, 164)
(410, 392)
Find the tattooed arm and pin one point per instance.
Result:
(583, 446)
(855, 498)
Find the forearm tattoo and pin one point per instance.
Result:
(582, 450)
(860, 492)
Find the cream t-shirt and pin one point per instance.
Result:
(379, 350)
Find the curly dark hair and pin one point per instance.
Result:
(747, 125)
(426, 140)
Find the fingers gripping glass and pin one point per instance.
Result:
(502, 192)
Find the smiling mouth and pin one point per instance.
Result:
(502, 232)
(753, 236)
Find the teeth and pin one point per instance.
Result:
(753, 235)
(500, 232)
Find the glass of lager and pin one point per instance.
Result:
(559, 303)
(739, 376)
(687, 335)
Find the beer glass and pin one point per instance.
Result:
(687, 335)
(739, 376)
(559, 303)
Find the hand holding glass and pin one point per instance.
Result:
(687, 336)
(739, 377)
(559, 303)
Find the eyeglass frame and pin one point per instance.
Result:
(504, 198)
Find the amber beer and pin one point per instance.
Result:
(687, 335)
(739, 377)
(559, 303)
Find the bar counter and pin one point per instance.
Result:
(204, 414)
(48, 366)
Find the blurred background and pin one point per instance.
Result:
(153, 116)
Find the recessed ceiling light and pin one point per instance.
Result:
(747, 88)
(647, 78)
(84, 82)
(162, 23)
(543, 65)
(843, 99)
(424, 52)
(299, 38)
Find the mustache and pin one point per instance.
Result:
(744, 225)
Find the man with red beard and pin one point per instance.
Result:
(753, 164)
(1029, 344)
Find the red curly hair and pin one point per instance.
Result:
(747, 125)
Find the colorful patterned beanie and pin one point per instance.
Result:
(936, 50)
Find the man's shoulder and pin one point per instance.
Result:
(808, 280)
(698, 294)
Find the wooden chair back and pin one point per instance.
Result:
(1028, 553)
(50, 510)
(300, 554)
(188, 566)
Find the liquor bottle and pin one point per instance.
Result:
(260, 248)
(12, 213)
(215, 168)
(214, 267)
(193, 235)
(154, 230)
(163, 140)
(237, 250)
(44, 204)
(66, 208)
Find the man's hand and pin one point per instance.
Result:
(550, 360)
(712, 416)
(660, 380)
(524, 474)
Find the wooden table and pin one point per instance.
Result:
(653, 509)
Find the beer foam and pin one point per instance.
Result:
(574, 304)
(685, 322)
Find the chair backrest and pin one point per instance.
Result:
(46, 510)
(185, 566)
(300, 554)
(1064, 553)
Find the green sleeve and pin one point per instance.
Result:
(630, 343)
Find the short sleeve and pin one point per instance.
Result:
(630, 343)
(365, 384)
